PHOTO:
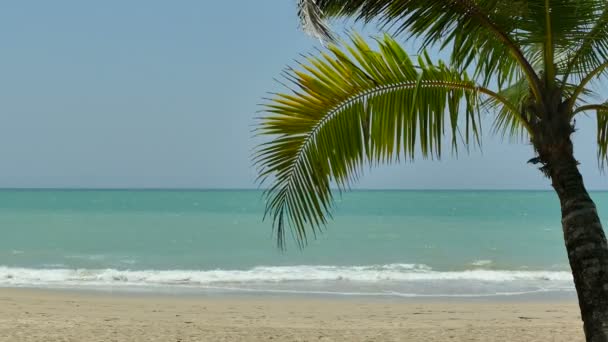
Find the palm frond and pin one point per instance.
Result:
(481, 32)
(557, 25)
(505, 123)
(496, 36)
(582, 86)
(591, 45)
(312, 20)
(602, 133)
(601, 111)
(352, 106)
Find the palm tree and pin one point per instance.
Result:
(531, 64)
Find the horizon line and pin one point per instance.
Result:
(261, 189)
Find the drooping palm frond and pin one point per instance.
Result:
(601, 111)
(602, 131)
(352, 106)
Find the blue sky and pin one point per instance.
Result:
(163, 94)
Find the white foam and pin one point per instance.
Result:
(378, 274)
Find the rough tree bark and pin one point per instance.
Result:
(583, 234)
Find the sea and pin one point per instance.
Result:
(378, 243)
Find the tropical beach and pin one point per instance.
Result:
(78, 267)
(305, 170)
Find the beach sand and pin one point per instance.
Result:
(41, 315)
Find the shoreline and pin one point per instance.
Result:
(390, 280)
(34, 315)
(223, 293)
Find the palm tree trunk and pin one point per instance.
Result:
(585, 243)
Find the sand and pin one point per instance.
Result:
(39, 315)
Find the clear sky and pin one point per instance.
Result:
(163, 94)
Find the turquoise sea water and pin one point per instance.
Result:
(402, 243)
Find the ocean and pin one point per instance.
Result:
(379, 243)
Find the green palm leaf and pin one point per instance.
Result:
(602, 133)
(505, 123)
(591, 49)
(601, 111)
(352, 106)
(497, 37)
(478, 31)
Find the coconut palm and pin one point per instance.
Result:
(529, 64)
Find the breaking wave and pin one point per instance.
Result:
(411, 279)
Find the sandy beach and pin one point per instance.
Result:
(40, 315)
